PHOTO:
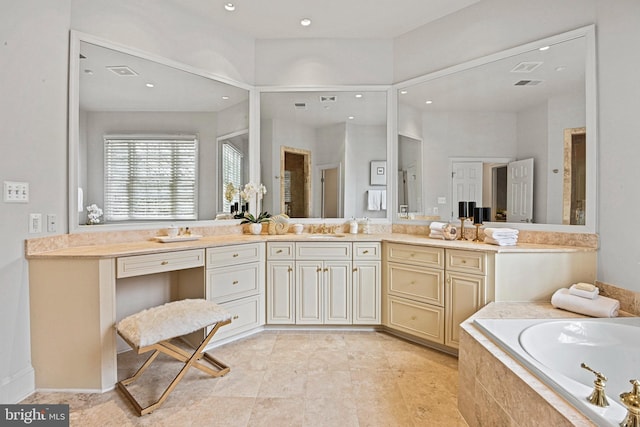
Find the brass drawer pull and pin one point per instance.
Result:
(235, 255)
(365, 251)
(355, 268)
(290, 269)
(326, 269)
(164, 263)
(235, 282)
(279, 251)
(318, 270)
(236, 317)
(413, 317)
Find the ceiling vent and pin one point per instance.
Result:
(122, 70)
(528, 82)
(300, 105)
(328, 98)
(526, 67)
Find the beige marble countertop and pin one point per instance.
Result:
(151, 245)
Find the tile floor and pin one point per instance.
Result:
(290, 378)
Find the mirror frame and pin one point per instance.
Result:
(76, 37)
(588, 32)
(391, 127)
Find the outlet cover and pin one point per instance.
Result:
(35, 223)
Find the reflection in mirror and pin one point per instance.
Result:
(233, 170)
(147, 142)
(410, 177)
(316, 149)
(485, 123)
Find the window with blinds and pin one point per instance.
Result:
(150, 178)
(231, 173)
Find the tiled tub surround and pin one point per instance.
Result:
(495, 389)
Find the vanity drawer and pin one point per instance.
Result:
(419, 320)
(366, 251)
(416, 283)
(223, 256)
(229, 283)
(416, 255)
(246, 314)
(323, 251)
(139, 265)
(280, 250)
(467, 261)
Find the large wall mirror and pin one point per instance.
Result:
(474, 128)
(323, 153)
(147, 137)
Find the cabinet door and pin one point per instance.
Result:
(337, 292)
(465, 296)
(309, 292)
(366, 293)
(280, 292)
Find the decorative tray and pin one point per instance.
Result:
(167, 239)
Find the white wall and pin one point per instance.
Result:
(323, 62)
(33, 119)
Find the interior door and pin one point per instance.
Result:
(331, 193)
(466, 180)
(520, 185)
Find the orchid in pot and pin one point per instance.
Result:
(257, 191)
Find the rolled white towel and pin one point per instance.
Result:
(597, 307)
(442, 230)
(440, 226)
(584, 290)
(435, 234)
(501, 241)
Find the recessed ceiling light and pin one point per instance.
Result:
(305, 22)
(561, 68)
(229, 7)
(404, 92)
(351, 117)
(149, 85)
(225, 97)
(429, 102)
(358, 95)
(543, 48)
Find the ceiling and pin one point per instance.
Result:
(366, 19)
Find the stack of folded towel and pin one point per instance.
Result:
(501, 236)
(442, 231)
(583, 298)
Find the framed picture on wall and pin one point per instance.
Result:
(378, 172)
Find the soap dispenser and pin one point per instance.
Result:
(353, 226)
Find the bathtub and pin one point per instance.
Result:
(554, 349)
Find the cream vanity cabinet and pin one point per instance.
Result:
(235, 280)
(319, 283)
(414, 291)
(429, 290)
(465, 286)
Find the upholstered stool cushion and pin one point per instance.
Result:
(170, 320)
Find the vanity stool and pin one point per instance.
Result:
(153, 329)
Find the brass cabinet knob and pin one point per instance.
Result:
(326, 269)
(290, 269)
(236, 317)
(235, 282)
(355, 268)
(319, 269)
(413, 317)
(236, 255)
(164, 263)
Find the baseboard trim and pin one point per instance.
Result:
(18, 386)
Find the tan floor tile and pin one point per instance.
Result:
(288, 378)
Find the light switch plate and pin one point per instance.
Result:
(35, 223)
(16, 192)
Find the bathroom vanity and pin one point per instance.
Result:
(410, 285)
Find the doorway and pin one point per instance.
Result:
(330, 180)
(575, 175)
(295, 182)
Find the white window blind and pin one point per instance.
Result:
(150, 178)
(231, 173)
